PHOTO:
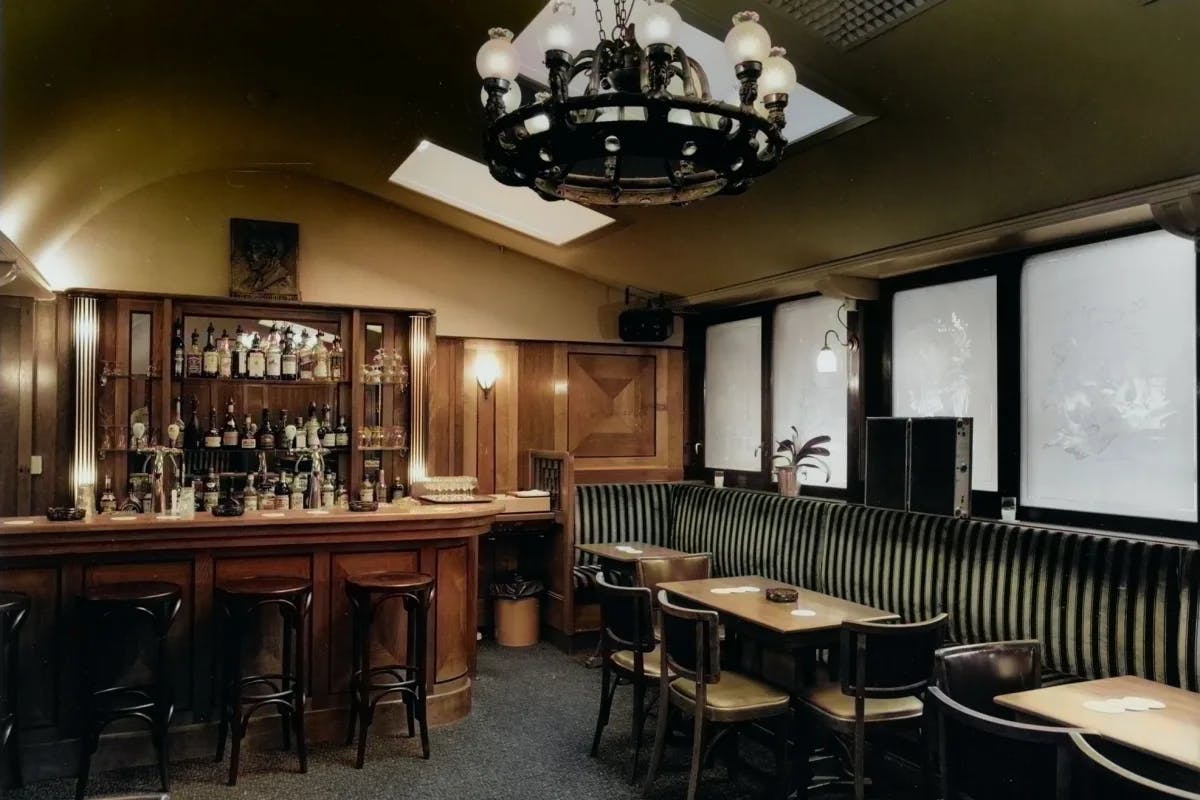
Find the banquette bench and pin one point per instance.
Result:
(1100, 604)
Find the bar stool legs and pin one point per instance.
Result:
(285, 690)
(13, 608)
(102, 609)
(370, 684)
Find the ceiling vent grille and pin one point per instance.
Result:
(849, 23)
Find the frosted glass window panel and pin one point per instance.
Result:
(815, 402)
(733, 395)
(1108, 354)
(944, 362)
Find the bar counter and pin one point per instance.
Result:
(53, 561)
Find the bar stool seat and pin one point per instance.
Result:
(367, 592)
(14, 606)
(239, 600)
(108, 612)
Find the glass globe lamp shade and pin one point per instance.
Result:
(539, 123)
(559, 33)
(778, 75)
(826, 360)
(497, 58)
(512, 98)
(8, 272)
(658, 23)
(747, 40)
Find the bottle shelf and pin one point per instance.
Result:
(260, 382)
(391, 449)
(275, 450)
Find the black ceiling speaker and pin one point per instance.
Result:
(646, 324)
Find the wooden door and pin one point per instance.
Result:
(16, 402)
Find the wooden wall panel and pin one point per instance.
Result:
(454, 619)
(446, 409)
(611, 405)
(39, 696)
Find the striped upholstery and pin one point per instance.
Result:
(618, 512)
(751, 533)
(1188, 638)
(887, 559)
(1100, 605)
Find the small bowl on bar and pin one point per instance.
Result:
(65, 514)
(782, 594)
(364, 505)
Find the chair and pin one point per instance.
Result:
(367, 593)
(629, 655)
(974, 674)
(885, 667)
(692, 651)
(989, 758)
(1096, 777)
(653, 571)
(14, 606)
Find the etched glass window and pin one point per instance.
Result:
(733, 395)
(944, 362)
(1108, 354)
(814, 402)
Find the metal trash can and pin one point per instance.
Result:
(517, 611)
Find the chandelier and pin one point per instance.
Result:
(631, 121)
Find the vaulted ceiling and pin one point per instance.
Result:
(986, 110)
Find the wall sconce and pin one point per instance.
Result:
(487, 370)
(8, 272)
(827, 359)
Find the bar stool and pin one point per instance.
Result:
(367, 593)
(13, 608)
(108, 612)
(238, 600)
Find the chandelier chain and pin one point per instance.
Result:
(600, 21)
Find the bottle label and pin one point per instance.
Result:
(330, 440)
(282, 502)
(313, 439)
(288, 365)
(250, 502)
(297, 499)
(212, 441)
(248, 443)
(268, 441)
(321, 370)
(210, 500)
(306, 374)
(367, 495)
(210, 363)
(274, 361)
(229, 439)
(342, 439)
(256, 365)
(193, 365)
(335, 369)
(225, 366)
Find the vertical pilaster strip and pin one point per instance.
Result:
(420, 343)
(85, 330)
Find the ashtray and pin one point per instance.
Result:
(228, 510)
(65, 514)
(364, 505)
(782, 594)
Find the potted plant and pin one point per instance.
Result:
(799, 456)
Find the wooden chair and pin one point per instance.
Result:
(989, 758)
(629, 656)
(1096, 777)
(653, 571)
(712, 696)
(885, 668)
(973, 674)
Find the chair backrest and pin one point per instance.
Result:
(625, 617)
(889, 659)
(653, 571)
(1094, 776)
(989, 758)
(690, 641)
(973, 674)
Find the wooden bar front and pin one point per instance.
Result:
(53, 562)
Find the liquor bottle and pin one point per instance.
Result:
(301, 439)
(343, 497)
(320, 360)
(312, 428)
(209, 368)
(328, 491)
(241, 354)
(281, 436)
(283, 492)
(193, 436)
(381, 487)
(266, 434)
(366, 492)
(304, 357)
(397, 490)
(249, 435)
(341, 434)
(108, 500)
(328, 434)
(177, 354)
(175, 429)
(229, 433)
(211, 491)
(256, 361)
(250, 494)
(287, 365)
(225, 356)
(337, 360)
(195, 359)
(212, 439)
(274, 358)
(297, 498)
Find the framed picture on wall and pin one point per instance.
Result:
(263, 259)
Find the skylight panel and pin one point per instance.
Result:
(461, 182)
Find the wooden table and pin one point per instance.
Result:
(1171, 733)
(621, 564)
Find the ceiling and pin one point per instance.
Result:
(985, 111)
